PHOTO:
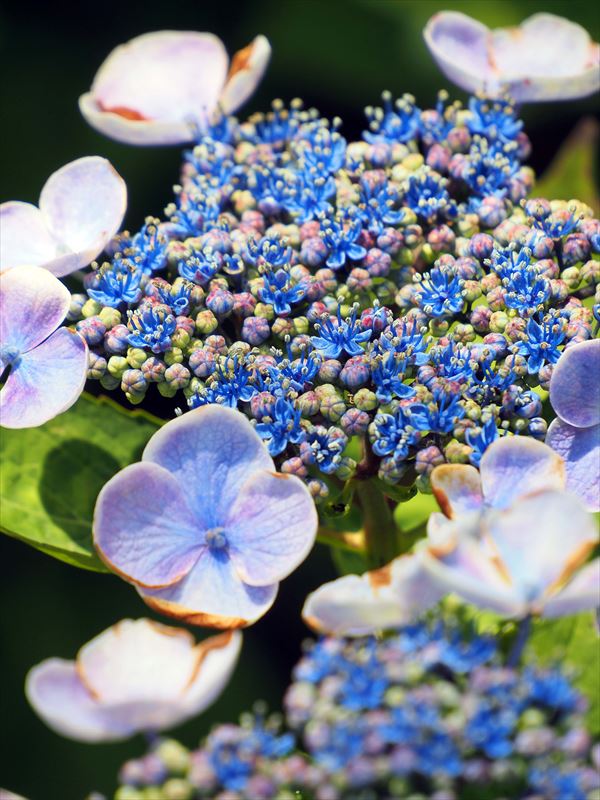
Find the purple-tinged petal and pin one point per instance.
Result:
(33, 303)
(575, 385)
(212, 595)
(46, 380)
(541, 540)
(457, 488)
(459, 45)
(83, 203)
(217, 657)
(138, 660)
(356, 605)
(158, 88)
(515, 466)
(211, 451)
(580, 449)
(546, 58)
(582, 593)
(59, 697)
(271, 528)
(144, 528)
(247, 68)
(24, 236)
(464, 567)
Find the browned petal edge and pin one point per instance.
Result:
(314, 623)
(495, 557)
(86, 685)
(380, 577)
(282, 475)
(574, 560)
(441, 550)
(241, 60)
(183, 614)
(122, 111)
(203, 649)
(442, 501)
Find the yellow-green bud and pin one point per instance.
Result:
(110, 317)
(117, 365)
(136, 357)
(173, 356)
(206, 322)
(91, 308)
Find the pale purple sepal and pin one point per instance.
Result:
(81, 208)
(546, 58)
(226, 530)
(166, 87)
(575, 385)
(136, 676)
(45, 382)
(580, 449)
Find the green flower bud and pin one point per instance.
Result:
(180, 339)
(413, 162)
(471, 291)
(365, 400)
(405, 257)
(206, 322)
(571, 276)
(308, 403)
(177, 375)
(498, 321)
(532, 718)
(129, 793)
(282, 327)
(136, 357)
(109, 382)
(457, 452)
(167, 389)
(173, 356)
(242, 201)
(174, 756)
(438, 327)
(91, 308)
(117, 365)
(332, 407)
(265, 311)
(110, 317)
(423, 483)
(300, 325)
(177, 789)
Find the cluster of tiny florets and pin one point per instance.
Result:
(425, 713)
(399, 288)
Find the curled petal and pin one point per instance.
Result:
(46, 380)
(580, 449)
(158, 88)
(83, 204)
(515, 466)
(457, 488)
(546, 58)
(459, 44)
(212, 451)
(271, 527)
(144, 528)
(138, 660)
(246, 71)
(33, 303)
(25, 238)
(574, 386)
(59, 697)
(582, 593)
(468, 571)
(356, 605)
(540, 541)
(213, 595)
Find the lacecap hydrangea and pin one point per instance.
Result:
(430, 712)
(400, 289)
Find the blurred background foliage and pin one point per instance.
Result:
(338, 55)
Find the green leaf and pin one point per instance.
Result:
(571, 174)
(573, 643)
(347, 562)
(415, 512)
(51, 475)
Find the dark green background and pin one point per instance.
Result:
(337, 55)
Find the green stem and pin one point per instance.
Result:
(378, 524)
(520, 640)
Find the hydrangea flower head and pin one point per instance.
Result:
(203, 526)
(510, 538)
(48, 364)
(136, 676)
(575, 434)
(81, 208)
(546, 58)
(166, 87)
